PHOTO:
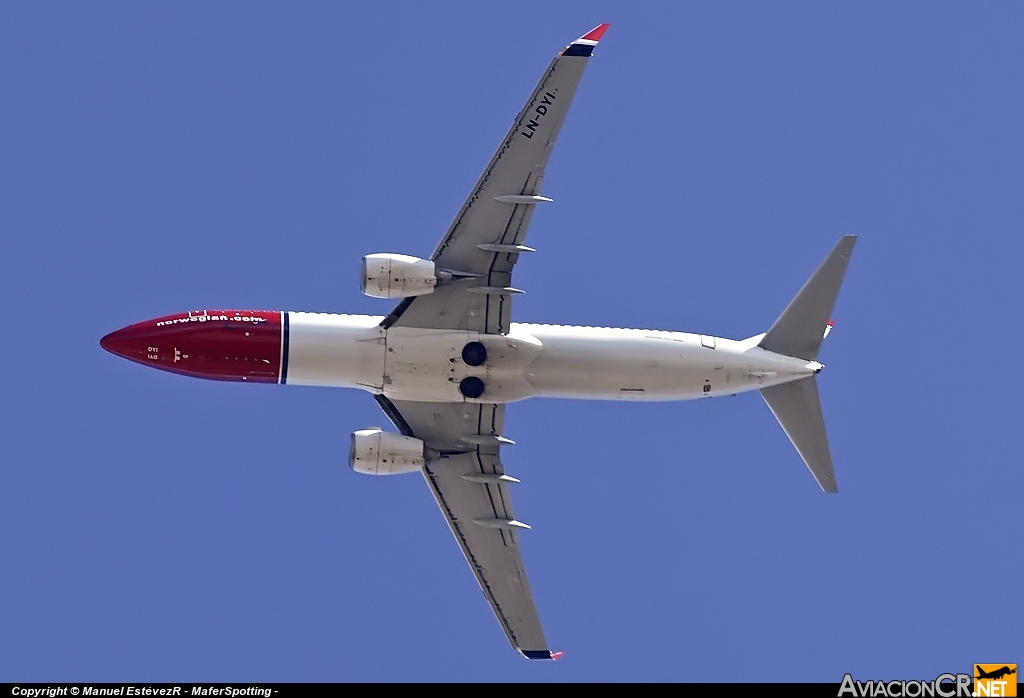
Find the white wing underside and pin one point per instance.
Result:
(478, 512)
(483, 244)
(496, 213)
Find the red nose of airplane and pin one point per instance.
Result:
(122, 342)
(229, 345)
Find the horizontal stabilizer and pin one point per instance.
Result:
(801, 327)
(797, 407)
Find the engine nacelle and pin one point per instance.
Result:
(389, 275)
(376, 452)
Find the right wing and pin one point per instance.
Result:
(487, 235)
(469, 483)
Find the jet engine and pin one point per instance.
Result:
(376, 452)
(387, 275)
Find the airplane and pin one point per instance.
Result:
(995, 674)
(445, 362)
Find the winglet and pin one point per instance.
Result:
(542, 654)
(584, 46)
(596, 33)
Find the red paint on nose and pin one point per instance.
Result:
(229, 345)
(118, 343)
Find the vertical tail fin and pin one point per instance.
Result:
(801, 327)
(797, 407)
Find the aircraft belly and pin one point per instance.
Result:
(427, 365)
(344, 351)
(614, 369)
(618, 364)
(593, 363)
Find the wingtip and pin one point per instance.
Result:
(583, 47)
(542, 654)
(596, 33)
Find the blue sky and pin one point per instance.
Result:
(161, 157)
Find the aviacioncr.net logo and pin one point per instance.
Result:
(995, 680)
(943, 686)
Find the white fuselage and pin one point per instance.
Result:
(591, 363)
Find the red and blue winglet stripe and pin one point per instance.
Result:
(542, 654)
(584, 46)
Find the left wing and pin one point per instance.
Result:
(484, 241)
(471, 488)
